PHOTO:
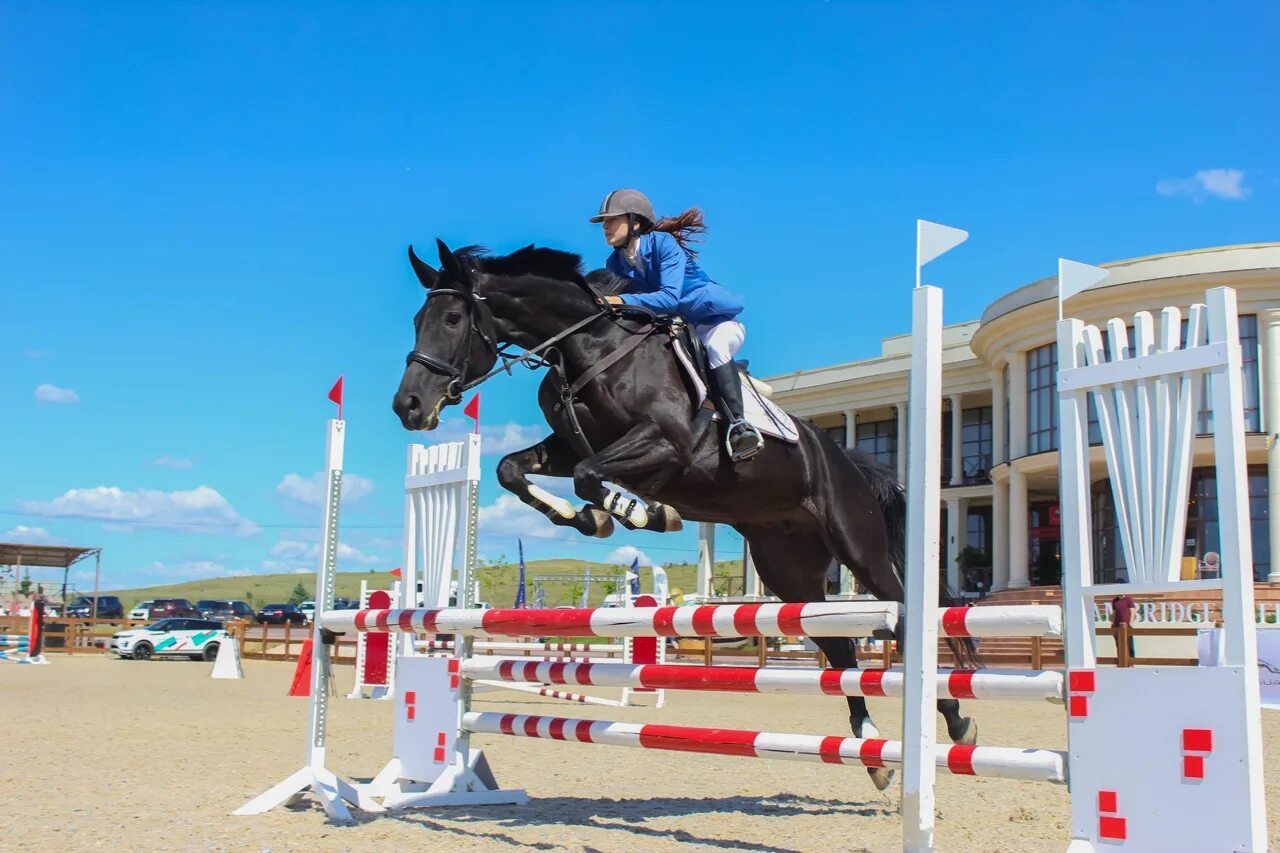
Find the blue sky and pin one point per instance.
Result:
(205, 210)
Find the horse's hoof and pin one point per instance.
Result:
(881, 777)
(969, 736)
(667, 519)
(601, 525)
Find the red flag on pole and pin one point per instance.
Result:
(335, 394)
(472, 410)
(395, 573)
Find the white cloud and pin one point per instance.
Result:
(173, 463)
(626, 554)
(495, 440)
(30, 535)
(291, 555)
(198, 510)
(309, 491)
(1221, 183)
(508, 517)
(47, 393)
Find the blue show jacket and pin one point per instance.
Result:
(670, 281)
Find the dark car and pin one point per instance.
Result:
(346, 604)
(206, 605)
(224, 610)
(167, 608)
(278, 614)
(109, 607)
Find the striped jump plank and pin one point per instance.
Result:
(497, 646)
(814, 619)
(580, 698)
(953, 684)
(1036, 765)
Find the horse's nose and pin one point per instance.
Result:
(408, 407)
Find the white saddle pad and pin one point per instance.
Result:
(759, 411)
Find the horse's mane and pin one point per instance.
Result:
(545, 263)
(531, 260)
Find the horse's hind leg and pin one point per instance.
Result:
(641, 456)
(794, 567)
(551, 457)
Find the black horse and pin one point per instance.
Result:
(621, 412)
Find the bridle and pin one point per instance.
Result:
(457, 374)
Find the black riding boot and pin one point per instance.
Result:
(742, 440)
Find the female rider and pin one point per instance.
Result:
(663, 275)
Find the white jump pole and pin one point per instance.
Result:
(924, 467)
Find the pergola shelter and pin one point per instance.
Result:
(21, 556)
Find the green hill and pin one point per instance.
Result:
(497, 583)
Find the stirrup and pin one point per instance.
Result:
(747, 428)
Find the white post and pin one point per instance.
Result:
(850, 428)
(920, 665)
(1270, 334)
(921, 656)
(751, 585)
(957, 509)
(903, 441)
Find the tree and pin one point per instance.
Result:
(298, 595)
(24, 586)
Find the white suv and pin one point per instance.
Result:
(143, 610)
(197, 639)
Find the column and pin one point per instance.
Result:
(1000, 535)
(850, 428)
(902, 441)
(997, 417)
(957, 421)
(1019, 553)
(1017, 405)
(1269, 334)
(957, 510)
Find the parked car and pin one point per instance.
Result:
(109, 607)
(167, 608)
(197, 639)
(279, 614)
(308, 609)
(346, 604)
(142, 610)
(224, 609)
(205, 606)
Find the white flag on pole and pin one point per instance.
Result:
(1074, 277)
(933, 240)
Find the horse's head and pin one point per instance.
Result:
(454, 339)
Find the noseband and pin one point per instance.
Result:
(456, 374)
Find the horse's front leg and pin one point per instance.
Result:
(643, 455)
(551, 457)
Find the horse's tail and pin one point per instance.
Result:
(892, 498)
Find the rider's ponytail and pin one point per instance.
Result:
(684, 228)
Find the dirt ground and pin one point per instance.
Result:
(102, 754)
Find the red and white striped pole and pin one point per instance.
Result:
(953, 684)
(1037, 765)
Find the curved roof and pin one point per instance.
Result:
(1221, 259)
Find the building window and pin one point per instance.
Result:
(1008, 427)
(836, 433)
(975, 575)
(1042, 399)
(1248, 374)
(880, 440)
(1203, 532)
(1108, 552)
(975, 443)
(947, 462)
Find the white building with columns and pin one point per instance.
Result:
(1000, 431)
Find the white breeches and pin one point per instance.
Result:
(722, 340)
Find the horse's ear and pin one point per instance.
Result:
(425, 272)
(448, 261)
